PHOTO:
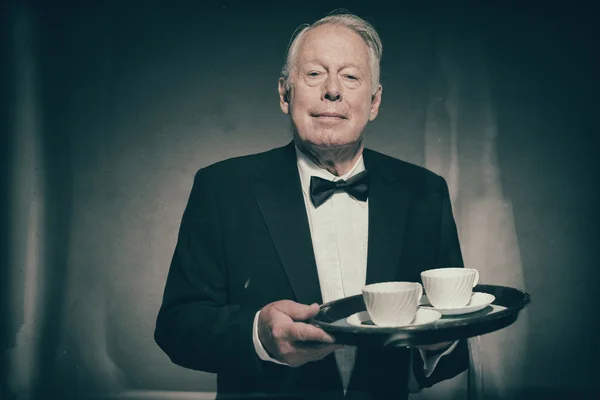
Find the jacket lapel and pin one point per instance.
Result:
(279, 195)
(388, 207)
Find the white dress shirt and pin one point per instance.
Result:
(339, 232)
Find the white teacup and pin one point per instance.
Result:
(392, 303)
(449, 287)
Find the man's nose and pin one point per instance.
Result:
(332, 90)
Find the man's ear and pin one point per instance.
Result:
(375, 103)
(284, 96)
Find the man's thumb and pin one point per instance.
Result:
(300, 312)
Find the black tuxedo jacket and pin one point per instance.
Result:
(245, 242)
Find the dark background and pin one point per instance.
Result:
(112, 107)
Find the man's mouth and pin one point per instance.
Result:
(329, 115)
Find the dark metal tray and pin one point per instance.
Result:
(501, 313)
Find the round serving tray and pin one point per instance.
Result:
(503, 311)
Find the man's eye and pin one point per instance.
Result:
(313, 74)
(351, 77)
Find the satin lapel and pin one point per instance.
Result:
(280, 199)
(388, 207)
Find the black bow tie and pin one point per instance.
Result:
(322, 189)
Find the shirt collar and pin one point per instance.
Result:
(307, 168)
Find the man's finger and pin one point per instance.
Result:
(302, 332)
(317, 346)
(315, 350)
(297, 311)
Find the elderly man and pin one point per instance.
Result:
(266, 238)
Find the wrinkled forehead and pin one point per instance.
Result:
(334, 43)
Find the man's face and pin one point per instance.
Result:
(331, 97)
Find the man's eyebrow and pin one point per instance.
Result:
(351, 65)
(315, 61)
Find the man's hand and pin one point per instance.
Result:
(288, 339)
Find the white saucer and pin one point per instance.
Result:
(479, 301)
(423, 316)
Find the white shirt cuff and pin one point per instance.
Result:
(429, 363)
(258, 346)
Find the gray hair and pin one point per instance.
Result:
(341, 18)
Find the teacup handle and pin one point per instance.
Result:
(476, 281)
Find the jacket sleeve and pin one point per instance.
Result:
(197, 327)
(448, 254)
